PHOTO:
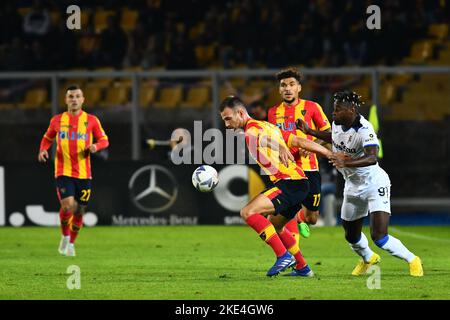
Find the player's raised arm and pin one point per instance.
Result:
(322, 135)
(295, 141)
(369, 159)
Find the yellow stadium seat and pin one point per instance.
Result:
(438, 31)
(115, 96)
(387, 93)
(253, 91)
(263, 83)
(237, 82)
(169, 97)
(399, 79)
(147, 95)
(81, 82)
(87, 43)
(420, 52)
(438, 82)
(101, 19)
(92, 96)
(363, 91)
(6, 106)
(226, 91)
(23, 11)
(197, 97)
(62, 97)
(205, 54)
(273, 98)
(85, 16)
(235, 13)
(416, 106)
(129, 19)
(34, 98)
(55, 17)
(196, 31)
(101, 82)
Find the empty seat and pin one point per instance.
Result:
(92, 96)
(169, 97)
(6, 106)
(34, 98)
(197, 97)
(87, 43)
(226, 91)
(115, 96)
(387, 93)
(420, 52)
(272, 98)
(102, 82)
(101, 19)
(147, 95)
(129, 19)
(205, 54)
(438, 31)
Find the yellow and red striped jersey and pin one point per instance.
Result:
(267, 158)
(73, 136)
(284, 117)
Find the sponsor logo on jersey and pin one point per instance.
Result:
(73, 135)
(343, 147)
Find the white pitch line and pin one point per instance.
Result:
(417, 236)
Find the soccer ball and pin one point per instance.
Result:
(205, 178)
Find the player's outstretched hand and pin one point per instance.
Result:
(338, 159)
(43, 156)
(304, 152)
(92, 148)
(302, 125)
(285, 156)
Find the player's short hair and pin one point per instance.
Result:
(73, 87)
(231, 102)
(290, 72)
(348, 98)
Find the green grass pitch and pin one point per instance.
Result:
(210, 262)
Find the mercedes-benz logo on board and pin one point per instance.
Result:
(153, 189)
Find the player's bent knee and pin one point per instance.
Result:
(245, 213)
(81, 210)
(311, 217)
(66, 208)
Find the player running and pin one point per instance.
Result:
(367, 185)
(284, 115)
(290, 185)
(75, 132)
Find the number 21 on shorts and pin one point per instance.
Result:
(85, 194)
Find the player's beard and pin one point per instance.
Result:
(289, 101)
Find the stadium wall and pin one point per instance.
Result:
(156, 193)
(123, 194)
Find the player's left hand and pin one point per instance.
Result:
(338, 159)
(304, 152)
(285, 156)
(92, 148)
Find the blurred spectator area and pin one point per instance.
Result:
(220, 34)
(163, 35)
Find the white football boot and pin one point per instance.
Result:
(70, 250)
(63, 245)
